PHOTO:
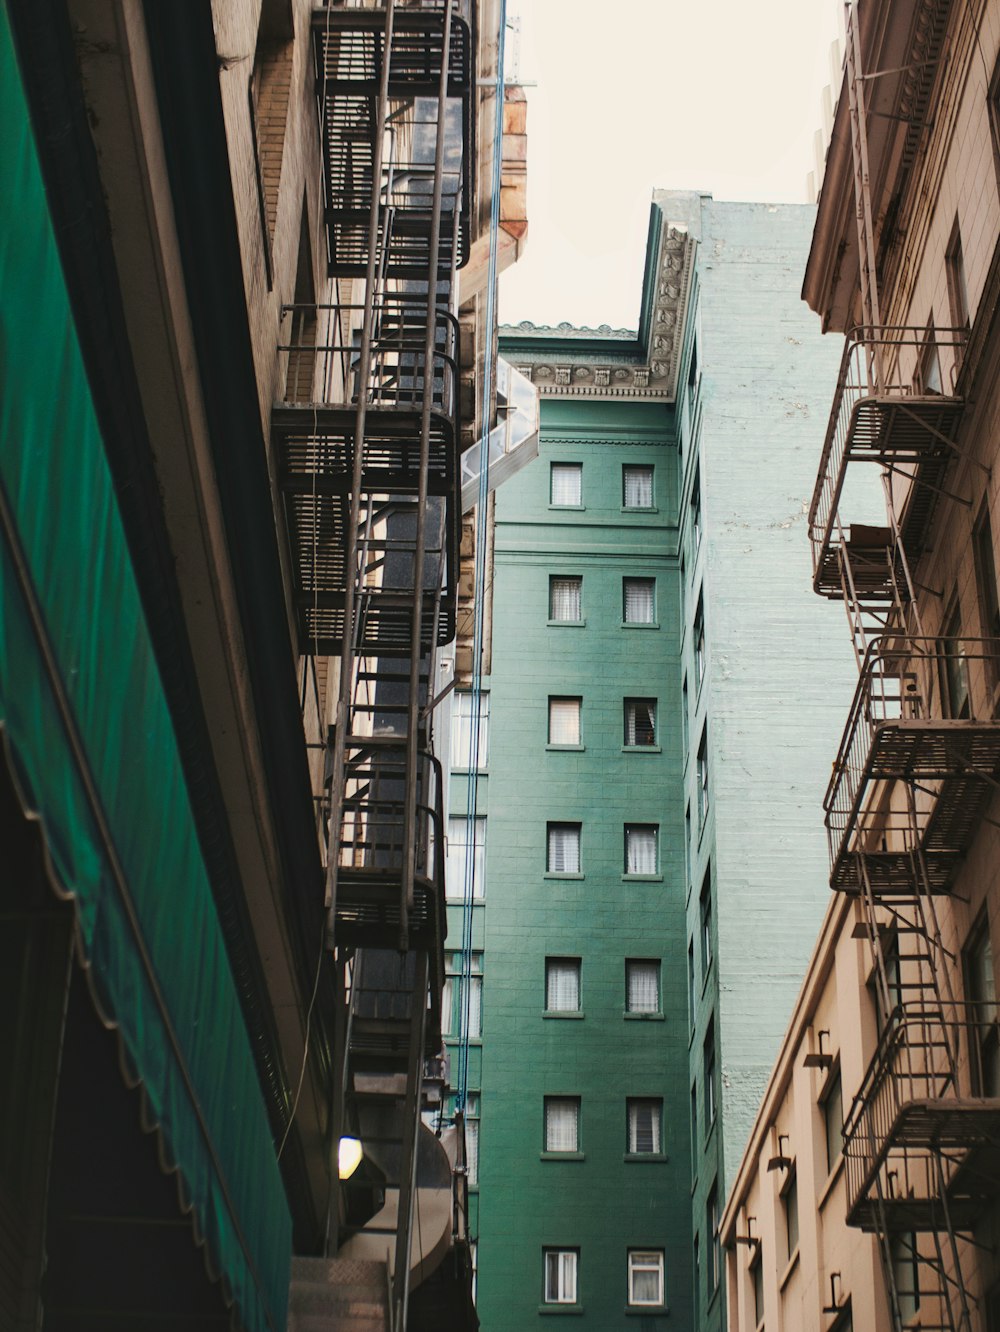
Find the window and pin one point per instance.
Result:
(645, 1276)
(472, 1139)
(640, 848)
(702, 780)
(638, 600)
(890, 996)
(685, 718)
(694, 1130)
(845, 1323)
(980, 987)
(695, 510)
(712, 1263)
(453, 996)
(566, 482)
(790, 1210)
(563, 848)
(562, 984)
(645, 1119)
(986, 586)
(958, 291)
(640, 722)
(455, 862)
(564, 721)
(905, 1274)
(708, 1065)
(464, 732)
(955, 666)
(698, 642)
(833, 1118)
(929, 366)
(697, 1281)
(642, 985)
(268, 93)
(560, 1275)
(705, 906)
(692, 995)
(566, 600)
(562, 1123)
(757, 1279)
(637, 486)
(687, 843)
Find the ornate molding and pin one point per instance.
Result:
(637, 373)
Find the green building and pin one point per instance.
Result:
(650, 861)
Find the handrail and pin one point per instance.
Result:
(900, 350)
(907, 679)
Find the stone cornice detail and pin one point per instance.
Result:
(645, 374)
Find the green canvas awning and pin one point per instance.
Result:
(84, 714)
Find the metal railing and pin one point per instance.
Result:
(917, 1103)
(909, 683)
(903, 365)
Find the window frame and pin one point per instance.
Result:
(635, 581)
(632, 833)
(462, 726)
(709, 1056)
(567, 826)
(984, 1032)
(713, 1266)
(566, 744)
(630, 706)
(987, 593)
(958, 286)
(705, 923)
(574, 964)
(478, 857)
(789, 1198)
(649, 468)
(570, 1103)
(633, 1105)
(575, 468)
(635, 1267)
(550, 1251)
(833, 1088)
(702, 782)
(655, 965)
(554, 581)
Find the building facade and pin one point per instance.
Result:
(230, 500)
(888, 1077)
(648, 572)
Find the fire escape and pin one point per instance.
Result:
(367, 443)
(916, 769)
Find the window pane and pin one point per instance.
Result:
(462, 756)
(638, 487)
(562, 985)
(565, 599)
(560, 1276)
(645, 1278)
(642, 986)
(472, 1149)
(455, 861)
(564, 848)
(639, 600)
(567, 483)
(562, 1118)
(640, 721)
(833, 1117)
(564, 721)
(640, 849)
(644, 1126)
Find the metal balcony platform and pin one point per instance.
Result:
(892, 874)
(315, 445)
(368, 915)
(935, 749)
(349, 56)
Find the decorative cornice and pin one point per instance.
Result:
(633, 373)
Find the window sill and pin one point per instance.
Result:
(571, 1014)
(646, 1311)
(637, 624)
(569, 749)
(470, 772)
(645, 1158)
(560, 1308)
(641, 749)
(643, 1017)
(568, 508)
(557, 874)
(455, 900)
(831, 1183)
(786, 1275)
(566, 624)
(562, 1156)
(640, 508)
(642, 878)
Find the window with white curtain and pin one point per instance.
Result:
(564, 721)
(560, 1275)
(566, 599)
(562, 984)
(453, 996)
(639, 598)
(462, 728)
(563, 848)
(645, 1116)
(645, 1276)
(640, 722)
(455, 861)
(566, 485)
(472, 1139)
(562, 1123)
(642, 985)
(637, 483)
(640, 848)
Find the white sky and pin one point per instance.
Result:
(722, 96)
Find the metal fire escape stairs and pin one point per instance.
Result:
(918, 764)
(369, 475)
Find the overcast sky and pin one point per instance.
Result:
(716, 95)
